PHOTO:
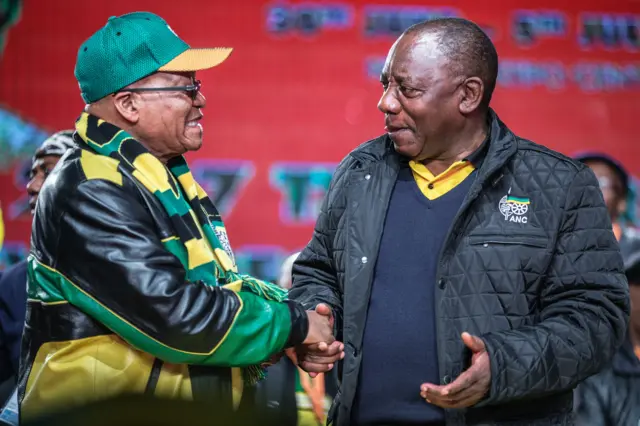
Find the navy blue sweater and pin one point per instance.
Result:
(399, 349)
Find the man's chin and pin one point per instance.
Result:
(409, 150)
(193, 137)
(192, 143)
(404, 142)
(194, 146)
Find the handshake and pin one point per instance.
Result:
(320, 350)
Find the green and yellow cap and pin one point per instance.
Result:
(133, 46)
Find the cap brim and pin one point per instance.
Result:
(197, 59)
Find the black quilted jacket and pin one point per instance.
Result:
(547, 293)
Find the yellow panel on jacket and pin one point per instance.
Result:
(95, 368)
(174, 382)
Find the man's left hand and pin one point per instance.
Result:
(470, 387)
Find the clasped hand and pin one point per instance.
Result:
(320, 350)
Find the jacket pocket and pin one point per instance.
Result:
(532, 240)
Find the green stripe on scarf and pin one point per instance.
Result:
(201, 245)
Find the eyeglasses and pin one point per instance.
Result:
(192, 90)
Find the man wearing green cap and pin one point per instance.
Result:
(133, 287)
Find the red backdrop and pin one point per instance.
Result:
(288, 105)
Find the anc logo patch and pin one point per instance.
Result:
(514, 209)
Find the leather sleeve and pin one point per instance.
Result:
(315, 275)
(584, 307)
(113, 266)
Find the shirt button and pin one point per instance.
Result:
(441, 283)
(446, 379)
(364, 259)
(367, 177)
(430, 186)
(485, 245)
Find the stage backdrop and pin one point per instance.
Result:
(300, 91)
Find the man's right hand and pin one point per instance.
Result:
(320, 350)
(320, 326)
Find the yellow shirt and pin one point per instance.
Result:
(436, 186)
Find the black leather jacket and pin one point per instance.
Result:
(110, 310)
(612, 397)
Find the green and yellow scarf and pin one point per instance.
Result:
(201, 244)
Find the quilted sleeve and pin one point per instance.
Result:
(315, 276)
(584, 307)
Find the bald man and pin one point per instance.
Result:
(472, 275)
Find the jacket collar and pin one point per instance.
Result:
(502, 145)
(477, 157)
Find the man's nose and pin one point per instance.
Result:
(34, 185)
(200, 101)
(389, 104)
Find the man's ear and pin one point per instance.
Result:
(472, 93)
(127, 106)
